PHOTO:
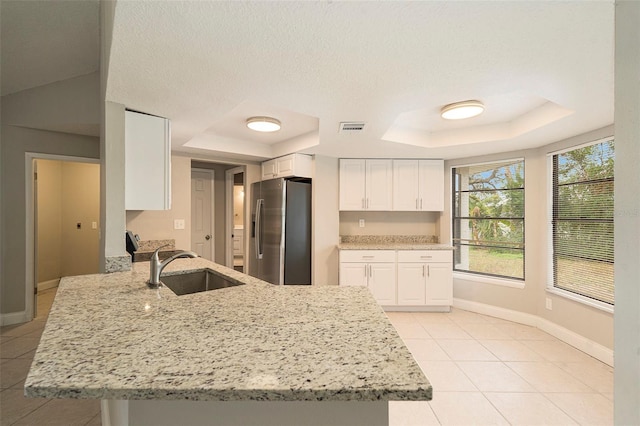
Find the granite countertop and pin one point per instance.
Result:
(109, 336)
(393, 246)
(391, 242)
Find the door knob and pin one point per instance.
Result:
(207, 237)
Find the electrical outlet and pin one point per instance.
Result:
(178, 224)
(361, 223)
(94, 225)
(549, 304)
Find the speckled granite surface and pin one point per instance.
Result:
(391, 242)
(108, 336)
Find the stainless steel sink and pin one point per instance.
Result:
(194, 282)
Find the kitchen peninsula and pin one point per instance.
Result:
(250, 354)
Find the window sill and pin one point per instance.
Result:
(483, 279)
(581, 299)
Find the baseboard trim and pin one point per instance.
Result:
(572, 338)
(13, 318)
(45, 285)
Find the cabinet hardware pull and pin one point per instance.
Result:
(416, 204)
(420, 203)
(368, 257)
(363, 205)
(367, 203)
(426, 257)
(428, 270)
(423, 268)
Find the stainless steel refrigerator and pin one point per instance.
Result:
(281, 231)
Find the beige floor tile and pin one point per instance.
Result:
(401, 317)
(411, 413)
(446, 331)
(23, 329)
(523, 332)
(465, 408)
(427, 318)
(586, 409)
(466, 350)
(13, 372)
(491, 376)
(446, 376)
(608, 395)
(484, 331)
(96, 421)
(528, 409)
(459, 316)
(594, 374)
(15, 405)
(547, 377)
(426, 349)
(63, 412)
(411, 331)
(557, 351)
(18, 346)
(510, 350)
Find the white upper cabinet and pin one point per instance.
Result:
(299, 165)
(418, 185)
(366, 184)
(147, 162)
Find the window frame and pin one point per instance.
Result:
(550, 287)
(488, 278)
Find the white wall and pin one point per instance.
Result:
(627, 214)
(49, 260)
(326, 223)
(390, 223)
(594, 324)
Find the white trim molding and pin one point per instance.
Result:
(486, 279)
(572, 338)
(45, 285)
(13, 318)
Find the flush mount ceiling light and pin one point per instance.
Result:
(263, 124)
(460, 110)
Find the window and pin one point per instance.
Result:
(488, 218)
(582, 220)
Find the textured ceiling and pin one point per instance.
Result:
(543, 69)
(47, 41)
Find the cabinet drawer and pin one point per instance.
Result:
(425, 256)
(369, 256)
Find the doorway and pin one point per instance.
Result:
(202, 208)
(63, 217)
(235, 201)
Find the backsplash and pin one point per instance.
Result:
(403, 239)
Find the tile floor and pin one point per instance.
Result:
(484, 371)
(487, 371)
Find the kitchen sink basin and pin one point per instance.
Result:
(195, 282)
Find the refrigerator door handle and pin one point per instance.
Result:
(258, 239)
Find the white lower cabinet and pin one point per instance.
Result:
(417, 278)
(425, 277)
(375, 269)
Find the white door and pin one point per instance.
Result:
(353, 274)
(411, 283)
(379, 185)
(405, 185)
(382, 282)
(439, 284)
(432, 185)
(352, 184)
(202, 212)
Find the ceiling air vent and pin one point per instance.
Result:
(351, 127)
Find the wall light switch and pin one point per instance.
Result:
(178, 224)
(361, 223)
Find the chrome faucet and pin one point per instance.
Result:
(157, 266)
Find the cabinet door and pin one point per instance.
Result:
(406, 192)
(382, 282)
(352, 184)
(431, 185)
(439, 284)
(379, 185)
(147, 162)
(285, 166)
(353, 274)
(411, 283)
(269, 169)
